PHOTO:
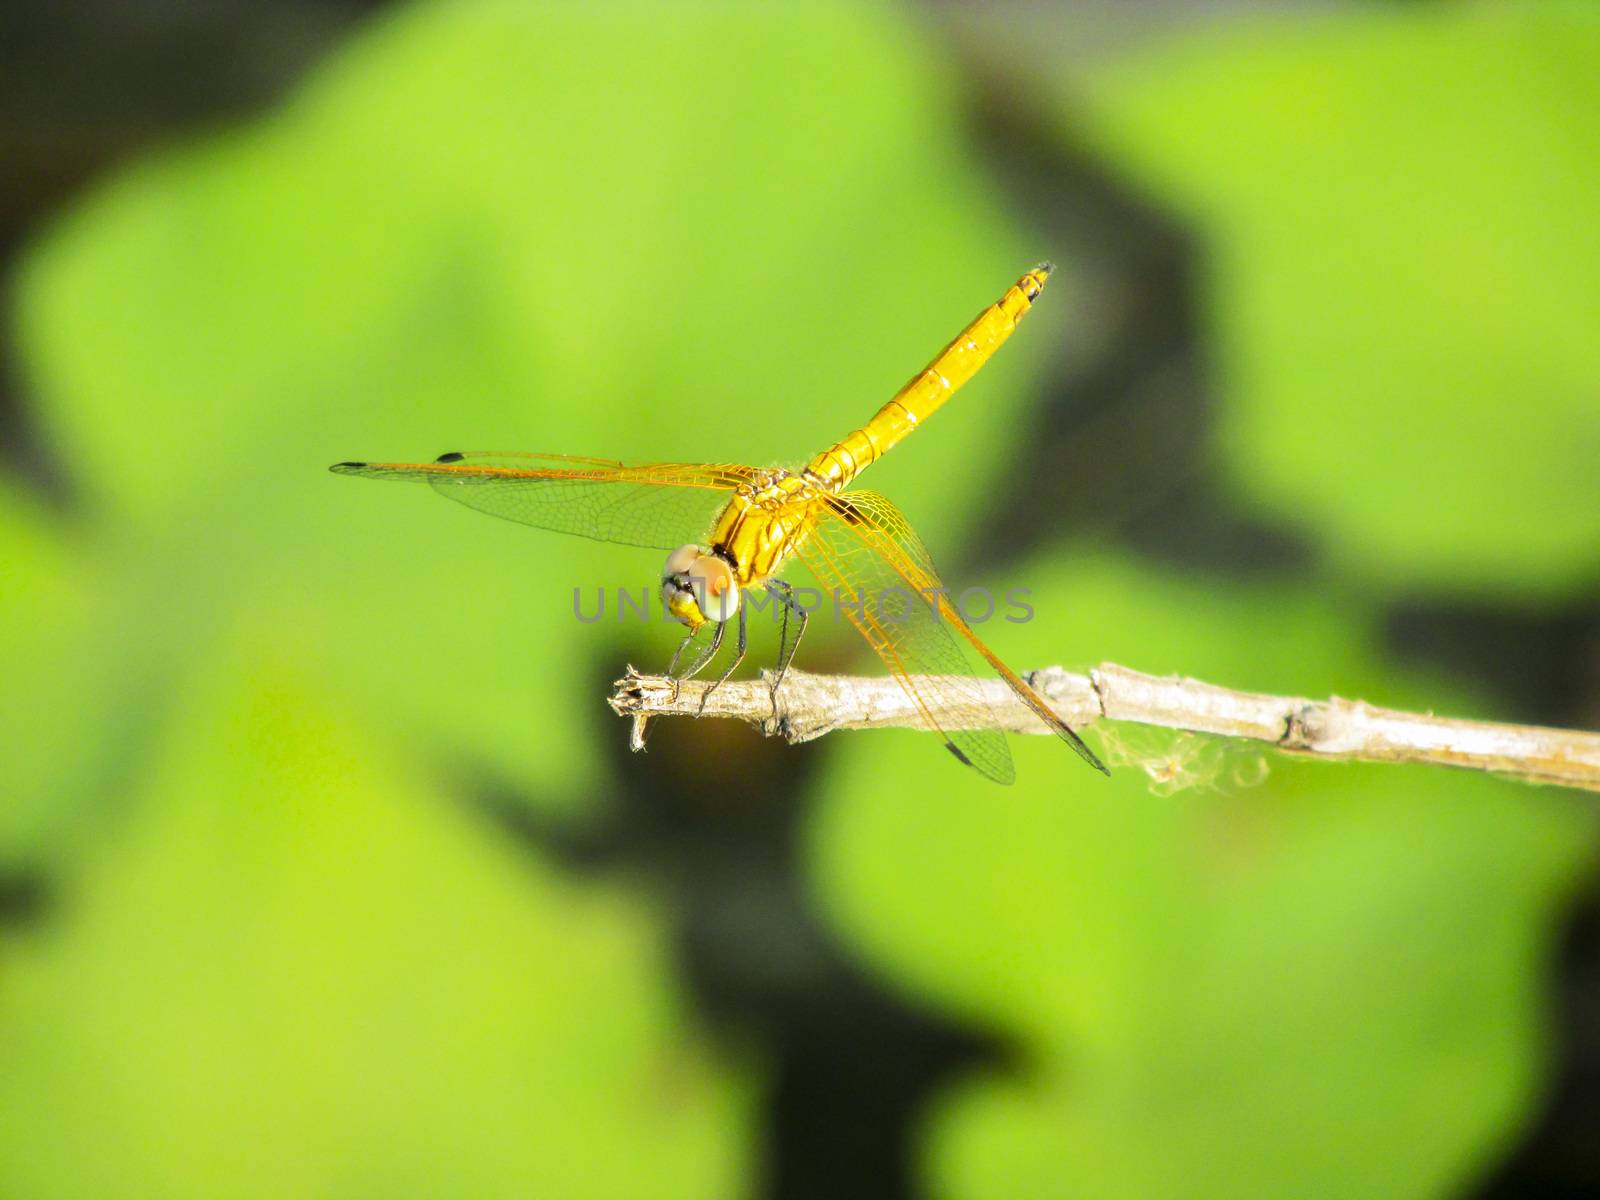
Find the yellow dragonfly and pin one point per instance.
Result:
(855, 542)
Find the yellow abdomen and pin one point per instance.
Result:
(932, 386)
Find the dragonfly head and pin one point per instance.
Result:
(698, 587)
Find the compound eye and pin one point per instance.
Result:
(715, 587)
(679, 561)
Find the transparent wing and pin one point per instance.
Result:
(908, 635)
(876, 530)
(658, 505)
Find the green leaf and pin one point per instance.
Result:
(300, 973)
(1398, 210)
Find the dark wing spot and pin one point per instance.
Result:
(347, 466)
(453, 456)
(960, 757)
(848, 510)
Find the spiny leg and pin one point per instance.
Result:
(672, 665)
(688, 640)
(786, 648)
(706, 654)
(738, 657)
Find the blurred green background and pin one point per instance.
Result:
(324, 871)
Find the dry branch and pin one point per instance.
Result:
(809, 706)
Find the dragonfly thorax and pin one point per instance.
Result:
(697, 587)
(764, 523)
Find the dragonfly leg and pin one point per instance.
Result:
(786, 647)
(738, 657)
(688, 640)
(706, 654)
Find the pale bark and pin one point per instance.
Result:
(809, 706)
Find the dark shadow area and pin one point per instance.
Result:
(1543, 664)
(24, 898)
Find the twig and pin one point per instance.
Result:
(809, 706)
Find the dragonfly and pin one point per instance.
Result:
(732, 528)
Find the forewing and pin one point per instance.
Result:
(657, 505)
(910, 637)
(882, 530)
